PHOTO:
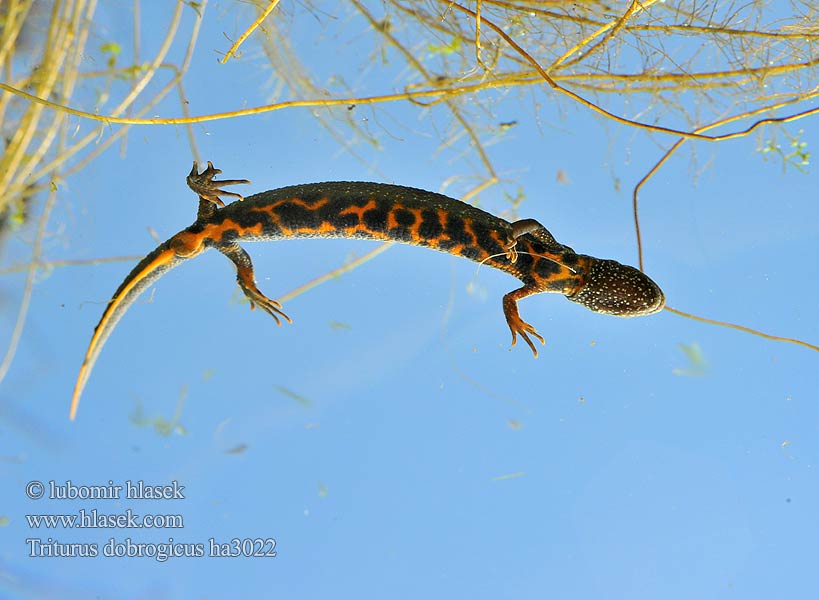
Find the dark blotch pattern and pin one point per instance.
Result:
(430, 227)
(471, 252)
(229, 236)
(403, 217)
(569, 258)
(291, 212)
(446, 245)
(401, 201)
(546, 268)
(349, 220)
(456, 230)
(485, 239)
(375, 219)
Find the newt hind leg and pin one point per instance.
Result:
(516, 324)
(247, 282)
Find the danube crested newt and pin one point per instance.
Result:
(378, 211)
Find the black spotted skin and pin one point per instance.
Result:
(378, 211)
(615, 289)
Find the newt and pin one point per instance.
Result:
(385, 212)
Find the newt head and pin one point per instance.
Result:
(613, 288)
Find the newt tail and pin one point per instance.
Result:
(384, 212)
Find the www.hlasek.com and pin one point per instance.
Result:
(127, 548)
(92, 519)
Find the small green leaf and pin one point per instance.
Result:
(697, 365)
(450, 48)
(111, 48)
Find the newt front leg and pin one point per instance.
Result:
(516, 324)
(549, 249)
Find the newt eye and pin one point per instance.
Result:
(612, 288)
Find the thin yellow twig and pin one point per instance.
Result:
(556, 86)
(334, 273)
(756, 332)
(51, 264)
(249, 30)
(608, 31)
